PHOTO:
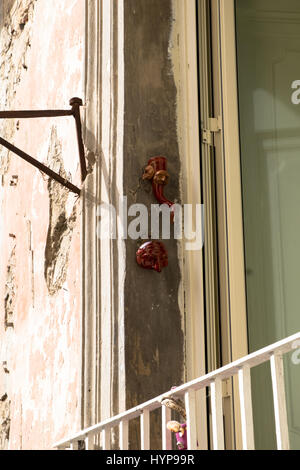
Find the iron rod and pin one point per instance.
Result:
(76, 103)
(35, 114)
(40, 166)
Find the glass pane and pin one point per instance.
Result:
(268, 55)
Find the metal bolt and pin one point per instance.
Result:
(76, 101)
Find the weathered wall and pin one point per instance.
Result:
(41, 54)
(41, 67)
(153, 322)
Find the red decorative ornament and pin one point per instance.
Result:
(156, 170)
(152, 255)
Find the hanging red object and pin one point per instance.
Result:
(152, 255)
(156, 170)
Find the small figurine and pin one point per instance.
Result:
(180, 432)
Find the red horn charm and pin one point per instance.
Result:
(156, 170)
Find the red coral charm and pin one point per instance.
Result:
(156, 170)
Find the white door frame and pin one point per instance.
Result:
(184, 55)
(231, 240)
(183, 46)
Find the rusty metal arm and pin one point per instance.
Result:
(40, 166)
(75, 104)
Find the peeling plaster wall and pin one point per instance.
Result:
(4, 421)
(61, 224)
(41, 63)
(10, 291)
(15, 40)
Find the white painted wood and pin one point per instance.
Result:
(183, 49)
(190, 407)
(123, 435)
(89, 442)
(284, 346)
(105, 259)
(230, 151)
(74, 445)
(281, 422)
(106, 438)
(120, 191)
(166, 434)
(217, 414)
(145, 430)
(246, 408)
(229, 201)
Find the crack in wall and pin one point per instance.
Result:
(10, 291)
(4, 421)
(61, 224)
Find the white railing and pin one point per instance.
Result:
(240, 368)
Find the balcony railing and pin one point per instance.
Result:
(241, 368)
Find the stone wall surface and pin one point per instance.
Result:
(153, 319)
(41, 63)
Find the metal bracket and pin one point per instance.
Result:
(75, 104)
(214, 125)
(207, 137)
(226, 388)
